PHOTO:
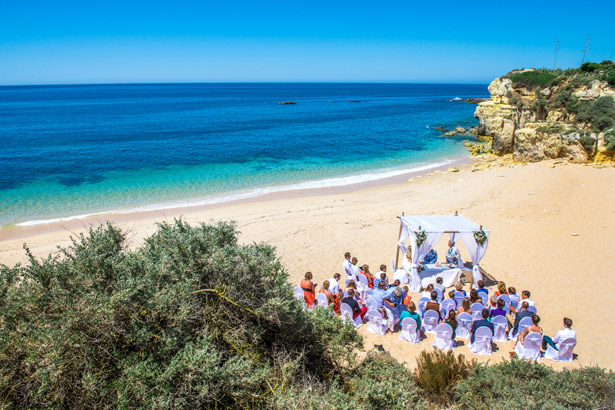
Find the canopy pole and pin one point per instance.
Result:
(397, 255)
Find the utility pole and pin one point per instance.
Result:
(556, 48)
(588, 43)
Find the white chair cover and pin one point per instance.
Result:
(458, 300)
(421, 304)
(482, 341)
(530, 350)
(499, 324)
(298, 293)
(409, 331)
(431, 320)
(322, 300)
(506, 300)
(464, 324)
(371, 304)
(444, 337)
(439, 292)
(523, 323)
(448, 305)
(347, 314)
(532, 309)
(477, 310)
(564, 352)
(345, 293)
(376, 323)
(363, 284)
(484, 297)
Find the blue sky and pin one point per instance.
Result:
(92, 41)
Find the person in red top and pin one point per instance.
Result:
(308, 289)
(369, 276)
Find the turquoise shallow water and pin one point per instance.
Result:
(78, 150)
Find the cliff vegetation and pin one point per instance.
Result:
(537, 114)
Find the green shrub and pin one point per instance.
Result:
(520, 384)
(599, 113)
(437, 372)
(550, 129)
(590, 67)
(191, 319)
(609, 140)
(589, 143)
(606, 62)
(533, 79)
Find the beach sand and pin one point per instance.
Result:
(532, 212)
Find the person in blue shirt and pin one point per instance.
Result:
(431, 257)
(481, 287)
(379, 294)
(480, 323)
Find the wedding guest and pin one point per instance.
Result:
(325, 291)
(498, 310)
(475, 297)
(514, 298)
(433, 304)
(452, 322)
(308, 289)
(481, 323)
(356, 310)
(355, 269)
(533, 328)
(563, 334)
(427, 292)
(459, 289)
(523, 313)
(347, 265)
(465, 306)
(408, 298)
(439, 284)
(411, 313)
(481, 287)
(382, 279)
(369, 276)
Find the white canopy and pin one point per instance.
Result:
(435, 227)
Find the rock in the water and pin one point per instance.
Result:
(460, 130)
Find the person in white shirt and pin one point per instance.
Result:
(525, 297)
(347, 265)
(334, 286)
(355, 271)
(560, 336)
(452, 253)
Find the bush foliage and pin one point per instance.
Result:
(194, 320)
(532, 79)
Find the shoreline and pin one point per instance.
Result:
(27, 228)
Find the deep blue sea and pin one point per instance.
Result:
(77, 150)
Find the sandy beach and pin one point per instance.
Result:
(551, 232)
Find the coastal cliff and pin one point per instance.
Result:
(542, 114)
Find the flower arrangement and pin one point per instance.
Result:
(420, 238)
(480, 237)
(420, 268)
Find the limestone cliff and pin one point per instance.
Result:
(540, 114)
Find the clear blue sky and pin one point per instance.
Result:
(92, 41)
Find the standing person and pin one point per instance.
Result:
(356, 310)
(334, 287)
(347, 265)
(308, 289)
(452, 253)
(355, 270)
(563, 334)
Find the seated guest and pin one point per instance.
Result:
(533, 328)
(354, 270)
(459, 289)
(481, 287)
(411, 313)
(523, 313)
(391, 307)
(452, 254)
(452, 322)
(431, 257)
(356, 310)
(334, 287)
(383, 269)
(475, 297)
(451, 294)
(369, 276)
(465, 306)
(379, 294)
(480, 323)
(358, 296)
(498, 310)
(501, 290)
(439, 284)
(563, 334)
(395, 284)
(433, 304)
(383, 278)
(325, 291)
(408, 298)
(525, 297)
(427, 292)
(514, 298)
(308, 289)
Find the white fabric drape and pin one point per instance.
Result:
(418, 253)
(476, 253)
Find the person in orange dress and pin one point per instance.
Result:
(369, 276)
(408, 298)
(308, 289)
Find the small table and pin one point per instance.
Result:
(450, 276)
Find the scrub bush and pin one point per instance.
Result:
(437, 372)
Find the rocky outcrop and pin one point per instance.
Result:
(529, 125)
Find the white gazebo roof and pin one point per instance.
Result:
(440, 223)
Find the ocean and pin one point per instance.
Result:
(71, 151)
